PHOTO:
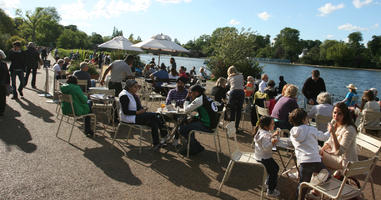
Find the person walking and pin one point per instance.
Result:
(32, 61)
(17, 58)
(4, 82)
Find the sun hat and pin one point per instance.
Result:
(130, 83)
(351, 86)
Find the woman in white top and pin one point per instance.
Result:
(236, 94)
(173, 74)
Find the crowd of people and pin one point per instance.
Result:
(228, 95)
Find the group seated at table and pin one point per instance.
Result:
(81, 103)
(157, 79)
(132, 112)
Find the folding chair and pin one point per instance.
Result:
(215, 136)
(322, 121)
(67, 98)
(370, 121)
(141, 128)
(372, 145)
(105, 105)
(336, 189)
(241, 157)
(83, 85)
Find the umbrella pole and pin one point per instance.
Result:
(159, 61)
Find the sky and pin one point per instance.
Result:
(188, 19)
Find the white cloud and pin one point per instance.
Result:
(234, 22)
(8, 5)
(264, 15)
(350, 27)
(359, 3)
(173, 1)
(330, 36)
(329, 8)
(375, 26)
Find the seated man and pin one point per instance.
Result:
(158, 78)
(57, 68)
(83, 74)
(206, 120)
(179, 93)
(132, 112)
(81, 104)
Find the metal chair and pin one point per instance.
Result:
(336, 189)
(372, 145)
(83, 85)
(141, 128)
(370, 121)
(105, 105)
(215, 137)
(322, 121)
(241, 157)
(67, 98)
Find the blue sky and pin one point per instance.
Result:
(188, 19)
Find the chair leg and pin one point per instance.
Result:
(227, 141)
(95, 126)
(188, 145)
(71, 131)
(140, 140)
(226, 176)
(217, 151)
(372, 186)
(59, 125)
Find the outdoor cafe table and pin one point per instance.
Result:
(176, 115)
(98, 89)
(285, 144)
(103, 101)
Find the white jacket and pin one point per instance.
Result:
(263, 145)
(305, 140)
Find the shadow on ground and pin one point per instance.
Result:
(14, 133)
(35, 110)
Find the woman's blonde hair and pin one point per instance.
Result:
(221, 81)
(284, 89)
(232, 71)
(291, 91)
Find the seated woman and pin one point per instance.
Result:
(81, 104)
(206, 120)
(173, 74)
(368, 103)
(219, 92)
(284, 106)
(132, 112)
(351, 97)
(272, 93)
(324, 106)
(341, 146)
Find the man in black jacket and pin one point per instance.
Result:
(313, 86)
(17, 57)
(32, 61)
(4, 82)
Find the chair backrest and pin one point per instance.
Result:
(364, 167)
(261, 111)
(372, 119)
(369, 143)
(231, 133)
(67, 98)
(82, 84)
(322, 121)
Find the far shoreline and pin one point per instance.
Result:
(324, 66)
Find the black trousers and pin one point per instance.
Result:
(152, 120)
(34, 73)
(3, 91)
(235, 103)
(272, 169)
(306, 171)
(117, 86)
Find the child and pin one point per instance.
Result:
(305, 138)
(250, 87)
(264, 141)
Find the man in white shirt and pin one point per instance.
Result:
(263, 83)
(57, 68)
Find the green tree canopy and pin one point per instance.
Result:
(288, 40)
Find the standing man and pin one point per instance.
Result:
(263, 83)
(17, 58)
(173, 63)
(313, 86)
(120, 70)
(4, 82)
(32, 61)
(44, 54)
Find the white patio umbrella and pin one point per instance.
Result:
(121, 43)
(161, 43)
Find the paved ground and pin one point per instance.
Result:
(35, 164)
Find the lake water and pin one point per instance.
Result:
(335, 79)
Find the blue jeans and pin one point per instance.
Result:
(20, 74)
(195, 125)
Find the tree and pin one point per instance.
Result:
(231, 47)
(354, 39)
(116, 32)
(33, 23)
(73, 39)
(131, 37)
(288, 40)
(340, 54)
(96, 38)
(7, 28)
(176, 41)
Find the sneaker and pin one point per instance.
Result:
(272, 193)
(320, 178)
(14, 97)
(34, 87)
(20, 92)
